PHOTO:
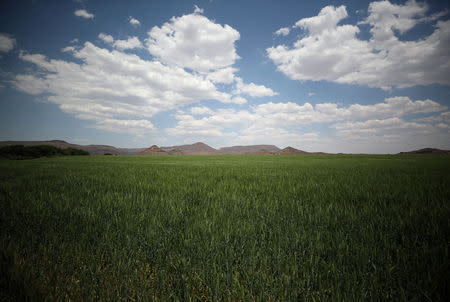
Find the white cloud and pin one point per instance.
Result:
(252, 89)
(83, 14)
(256, 135)
(195, 42)
(134, 21)
(113, 88)
(130, 43)
(125, 126)
(224, 75)
(374, 126)
(281, 122)
(7, 42)
(391, 131)
(282, 31)
(333, 52)
(443, 117)
(292, 113)
(114, 85)
(106, 38)
(201, 110)
(239, 100)
(443, 126)
(327, 19)
(230, 126)
(198, 10)
(68, 49)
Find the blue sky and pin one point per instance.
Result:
(333, 76)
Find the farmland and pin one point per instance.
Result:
(259, 227)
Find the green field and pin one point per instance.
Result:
(214, 228)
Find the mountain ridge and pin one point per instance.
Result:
(198, 148)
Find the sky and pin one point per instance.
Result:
(330, 76)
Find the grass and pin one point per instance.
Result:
(265, 228)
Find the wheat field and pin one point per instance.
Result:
(226, 228)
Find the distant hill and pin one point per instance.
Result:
(197, 148)
(153, 150)
(263, 152)
(29, 152)
(290, 150)
(249, 149)
(130, 151)
(427, 151)
(92, 149)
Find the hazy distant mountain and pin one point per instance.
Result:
(92, 149)
(197, 148)
(130, 151)
(263, 152)
(290, 150)
(427, 151)
(249, 149)
(153, 150)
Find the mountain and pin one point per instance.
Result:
(249, 149)
(290, 150)
(197, 148)
(263, 152)
(130, 151)
(153, 150)
(427, 151)
(92, 149)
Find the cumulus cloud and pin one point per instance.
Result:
(110, 85)
(281, 122)
(283, 31)
(106, 38)
(443, 117)
(224, 75)
(198, 10)
(333, 52)
(252, 89)
(291, 113)
(134, 21)
(125, 126)
(7, 42)
(195, 42)
(130, 43)
(114, 89)
(83, 14)
(68, 49)
(327, 19)
(201, 110)
(392, 132)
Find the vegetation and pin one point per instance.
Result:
(265, 228)
(28, 152)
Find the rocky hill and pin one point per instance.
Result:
(197, 148)
(290, 150)
(92, 149)
(153, 150)
(252, 149)
(427, 151)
